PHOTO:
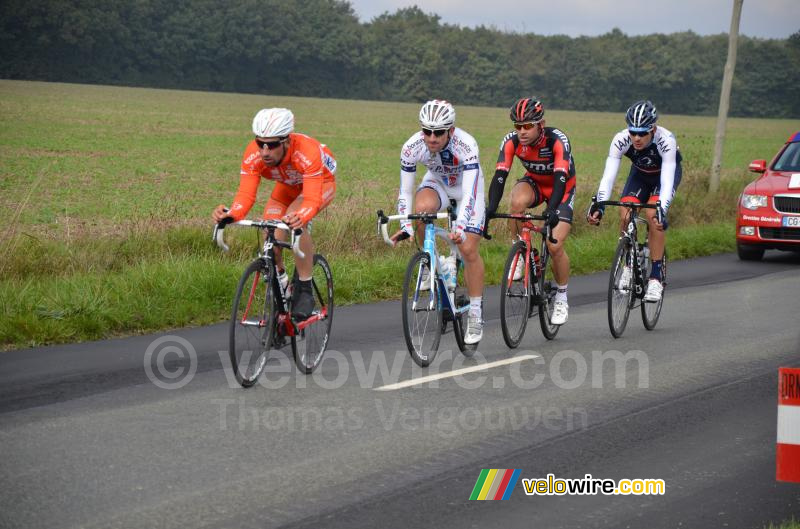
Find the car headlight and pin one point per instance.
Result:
(754, 201)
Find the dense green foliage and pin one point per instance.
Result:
(319, 48)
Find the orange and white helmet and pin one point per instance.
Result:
(437, 114)
(273, 123)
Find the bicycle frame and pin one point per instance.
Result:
(267, 253)
(631, 234)
(525, 234)
(429, 246)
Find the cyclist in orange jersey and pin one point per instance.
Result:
(303, 170)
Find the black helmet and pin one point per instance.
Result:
(527, 110)
(641, 116)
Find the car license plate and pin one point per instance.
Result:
(791, 222)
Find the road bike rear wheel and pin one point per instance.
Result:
(309, 344)
(547, 290)
(620, 297)
(252, 325)
(652, 311)
(422, 312)
(515, 297)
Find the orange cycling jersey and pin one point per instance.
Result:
(307, 165)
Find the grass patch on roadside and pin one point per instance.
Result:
(188, 283)
(108, 193)
(788, 524)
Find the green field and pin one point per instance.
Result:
(109, 192)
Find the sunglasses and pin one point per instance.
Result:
(271, 145)
(437, 132)
(526, 126)
(638, 134)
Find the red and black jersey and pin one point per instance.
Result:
(550, 154)
(548, 163)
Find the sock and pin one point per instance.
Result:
(561, 293)
(303, 286)
(655, 272)
(475, 305)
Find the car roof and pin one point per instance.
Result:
(794, 137)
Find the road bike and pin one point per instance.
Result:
(535, 291)
(261, 319)
(626, 289)
(432, 297)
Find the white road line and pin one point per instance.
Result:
(449, 374)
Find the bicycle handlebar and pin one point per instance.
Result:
(632, 205)
(384, 220)
(219, 236)
(522, 217)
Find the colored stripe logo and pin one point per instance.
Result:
(495, 484)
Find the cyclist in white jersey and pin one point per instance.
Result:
(450, 156)
(655, 174)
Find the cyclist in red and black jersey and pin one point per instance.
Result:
(545, 153)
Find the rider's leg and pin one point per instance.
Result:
(657, 241)
(303, 297)
(473, 264)
(427, 200)
(560, 259)
(558, 254)
(279, 201)
(523, 194)
(473, 273)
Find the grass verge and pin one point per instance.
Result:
(102, 289)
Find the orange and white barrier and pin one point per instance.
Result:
(788, 450)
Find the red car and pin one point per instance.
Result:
(769, 208)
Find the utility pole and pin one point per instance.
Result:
(725, 96)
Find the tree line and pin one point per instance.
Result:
(319, 48)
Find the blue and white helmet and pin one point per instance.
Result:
(437, 114)
(273, 123)
(641, 116)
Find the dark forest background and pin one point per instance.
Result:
(319, 48)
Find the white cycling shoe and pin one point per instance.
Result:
(560, 313)
(474, 330)
(654, 291)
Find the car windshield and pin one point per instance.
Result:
(789, 160)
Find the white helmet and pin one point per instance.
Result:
(437, 114)
(273, 123)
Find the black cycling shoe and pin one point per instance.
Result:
(302, 301)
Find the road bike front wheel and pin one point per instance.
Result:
(422, 312)
(515, 297)
(252, 325)
(652, 311)
(547, 290)
(310, 342)
(620, 294)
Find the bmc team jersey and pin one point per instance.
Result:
(307, 164)
(548, 164)
(659, 158)
(454, 172)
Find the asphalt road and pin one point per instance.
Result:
(89, 439)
